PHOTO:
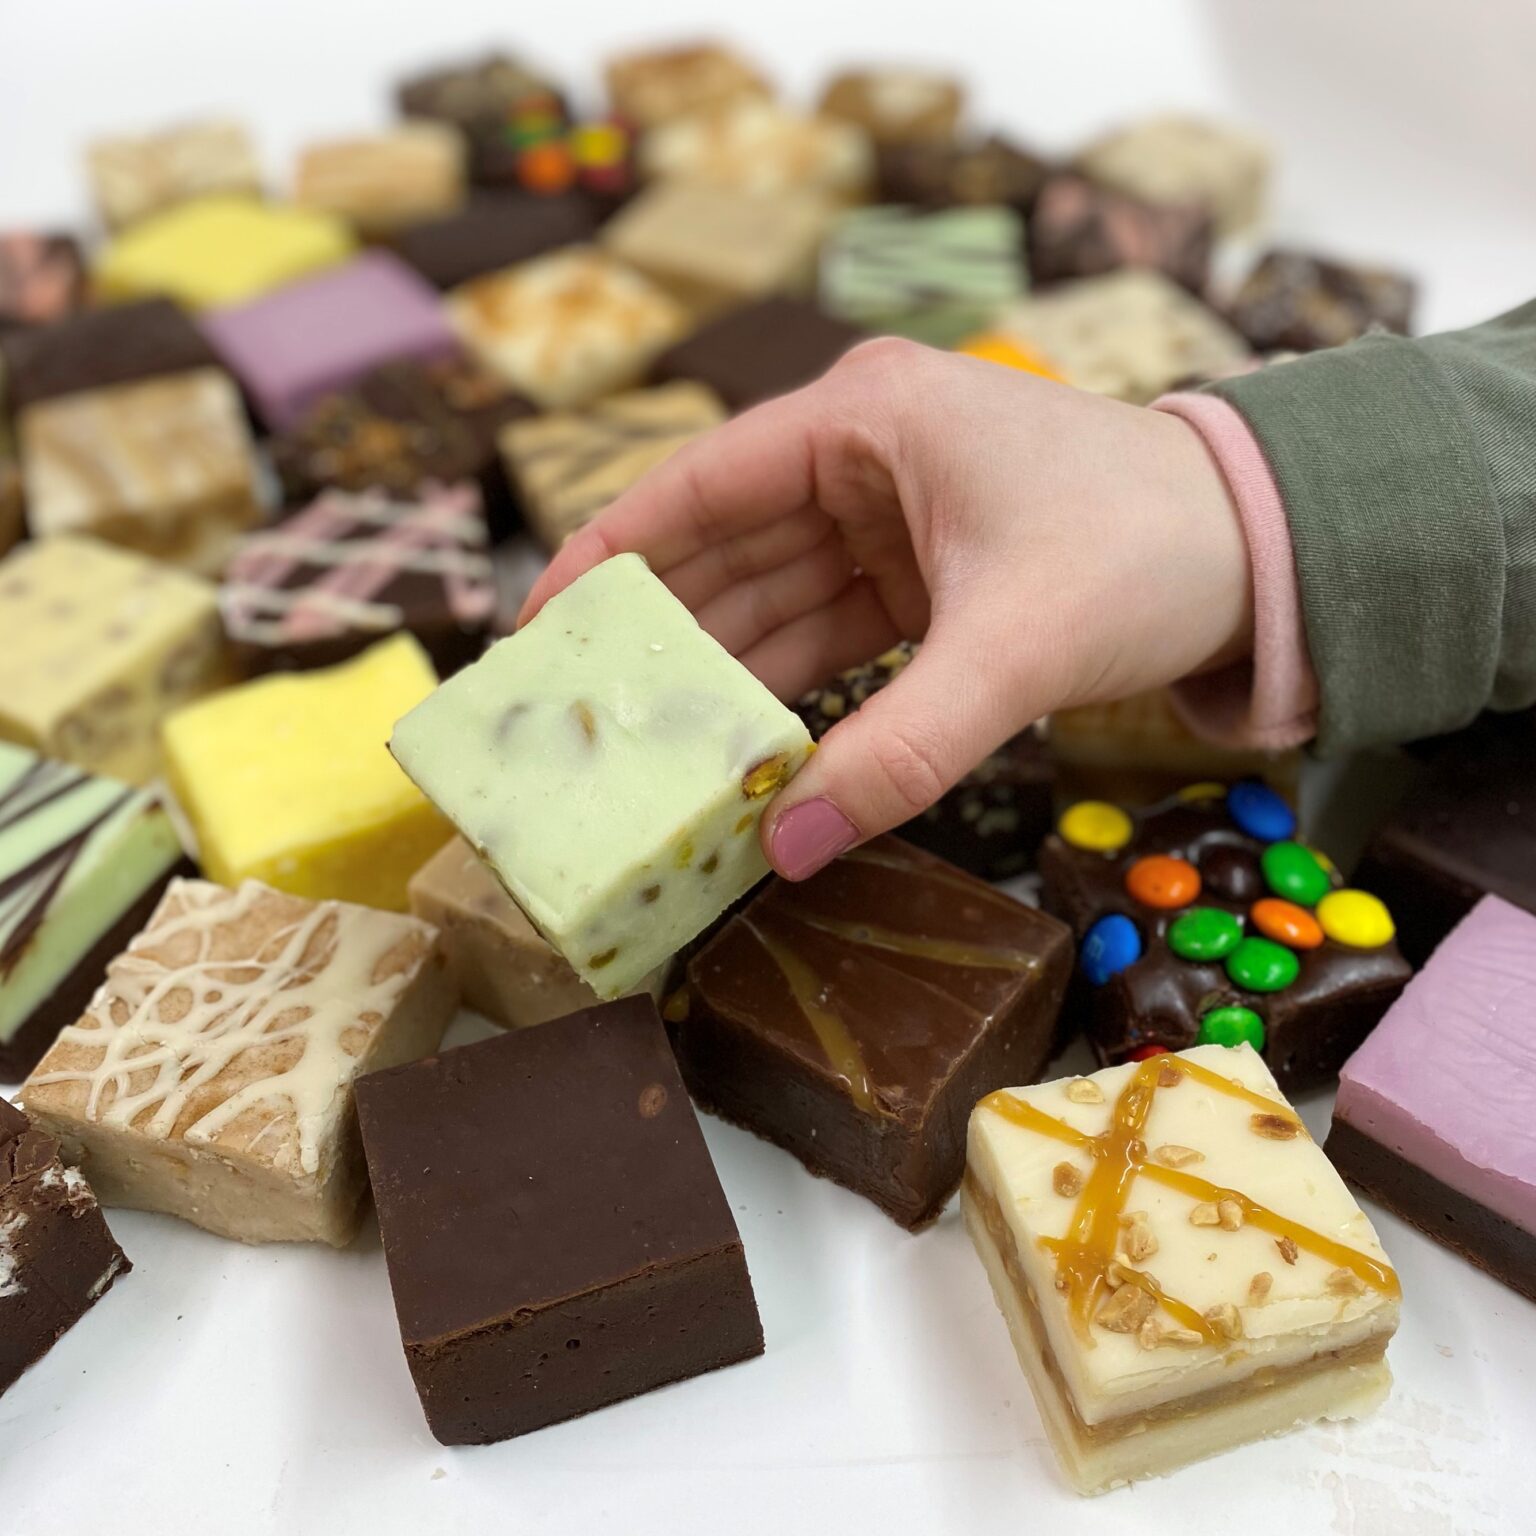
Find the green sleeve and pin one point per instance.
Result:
(1408, 473)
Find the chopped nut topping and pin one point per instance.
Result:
(1258, 1287)
(1117, 1274)
(1275, 1127)
(1230, 1213)
(1081, 1091)
(745, 822)
(710, 865)
(1169, 1076)
(1172, 1155)
(650, 893)
(1205, 1215)
(1126, 1310)
(765, 777)
(1288, 1248)
(1152, 1333)
(1225, 1319)
(1066, 1180)
(597, 962)
(585, 719)
(675, 1009)
(1139, 1241)
(1345, 1282)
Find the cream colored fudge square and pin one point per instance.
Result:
(610, 761)
(1181, 1268)
(896, 106)
(657, 85)
(568, 465)
(211, 1077)
(567, 328)
(411, 172)
(504, 968)
(1129, 334)
(133, 177)
(97, 646)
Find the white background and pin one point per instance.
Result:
(228, 1390)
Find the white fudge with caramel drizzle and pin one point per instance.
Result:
(1181, 1268)
(610, 762)
(211, 1077)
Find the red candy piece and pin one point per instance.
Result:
(1286, 923)
(1147, 1052)
(1162, 881)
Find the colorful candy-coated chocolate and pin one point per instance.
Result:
(1234, 1025)
(1206, 789)
(1160, 880)
(1356, 918)
(1110, 945)
(1095, 825)
(1260, 812)
(1261, 965)
(1295, 873)
(1147, 1052)
(1232, 873)
(1204, 933)
(1286, 923)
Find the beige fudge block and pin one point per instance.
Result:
(1178, 159)
(410, 173)
(211, 1077)
(568, 465)
(503, 967)
(658, 85)
(97, 647)
(134, 176)
(896, 106)
(164, 466)
(712, 248)
(1129, 334)
(1180, 1266)
(567, 328)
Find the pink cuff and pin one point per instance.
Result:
(1270, 701)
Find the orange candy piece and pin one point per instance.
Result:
(1159, 880)
(546, 168)
(1286, 923)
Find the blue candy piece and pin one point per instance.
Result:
(1260, 812)
(1108, 947)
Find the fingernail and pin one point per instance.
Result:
(808, 836)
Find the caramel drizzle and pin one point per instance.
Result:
(946, 951)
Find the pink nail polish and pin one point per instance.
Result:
(809, 835)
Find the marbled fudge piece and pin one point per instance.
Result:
(1295, 302)
(504, 969)
(42, 277)
(97, 646)
(57, 1258)
(83, 861)
(896, 106)
(933, 276)
(135, 176)
(611, 763)
(164, 466)
(1181, 1269)
(287, 780)
(211, 1076)
(567, 328)
(657, 85)
(568, 465)
(377, 183)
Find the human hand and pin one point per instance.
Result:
(1048, 546)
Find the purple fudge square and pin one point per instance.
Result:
(313, 338)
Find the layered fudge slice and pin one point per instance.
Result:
(1180, 1267)
(855, 1017)
(211, 1076)
(611, 762)
(556, 1236)
(57, 1258)
(1453, 1151)
(83, 861)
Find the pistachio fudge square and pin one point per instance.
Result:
(611, 763)
(211, 1076)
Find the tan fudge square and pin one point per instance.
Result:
(410, 173)
(896, 106)
(656, 86)
(133, 177)
(164, 466)
(211, 1077)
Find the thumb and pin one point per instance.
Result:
(892, 758)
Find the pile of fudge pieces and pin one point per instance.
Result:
(263, 460)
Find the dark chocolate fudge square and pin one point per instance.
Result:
(1201, 920)
(940, 175)
(42, 278)
(855, 1018)
(1294, 301)
(493, 230)
(556, 1236)
(761, 350)
(57, 1258)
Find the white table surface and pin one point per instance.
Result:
(221, 1389)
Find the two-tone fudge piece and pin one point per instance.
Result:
(491, 231)
(896, 106)
(286, 779)
(57, 1257)
(568, 465)
(611, 762)
(934, 276)
(1433, 1115)
(42, 277)
(211, 1075)
(940, 175)
(1180, 1267)
(556, 1236)
(1202, 920)
(854, 1018)
(1293, 301)
(384, 180)
(133, 176)
(353, 566)
(164, 466)
(83, 860)
(655, 86)
(97, 647)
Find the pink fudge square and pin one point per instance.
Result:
(312, 338)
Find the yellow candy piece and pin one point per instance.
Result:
(994, 347)
(1356, 918)
(1096, 826)
(599, 144)
(1206, 789)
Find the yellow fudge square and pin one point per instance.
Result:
(216, 251)
(287, 780)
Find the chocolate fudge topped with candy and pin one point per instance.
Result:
(1202, 920)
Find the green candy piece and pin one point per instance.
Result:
(1261, 965)
(1204, 933)
(1231, 1026)
(1294, 872)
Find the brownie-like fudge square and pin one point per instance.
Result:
(494, 230)
(42, 277)
(556, 1236)
(854, 1018)
(1294, 301)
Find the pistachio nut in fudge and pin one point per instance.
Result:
(610, 762)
